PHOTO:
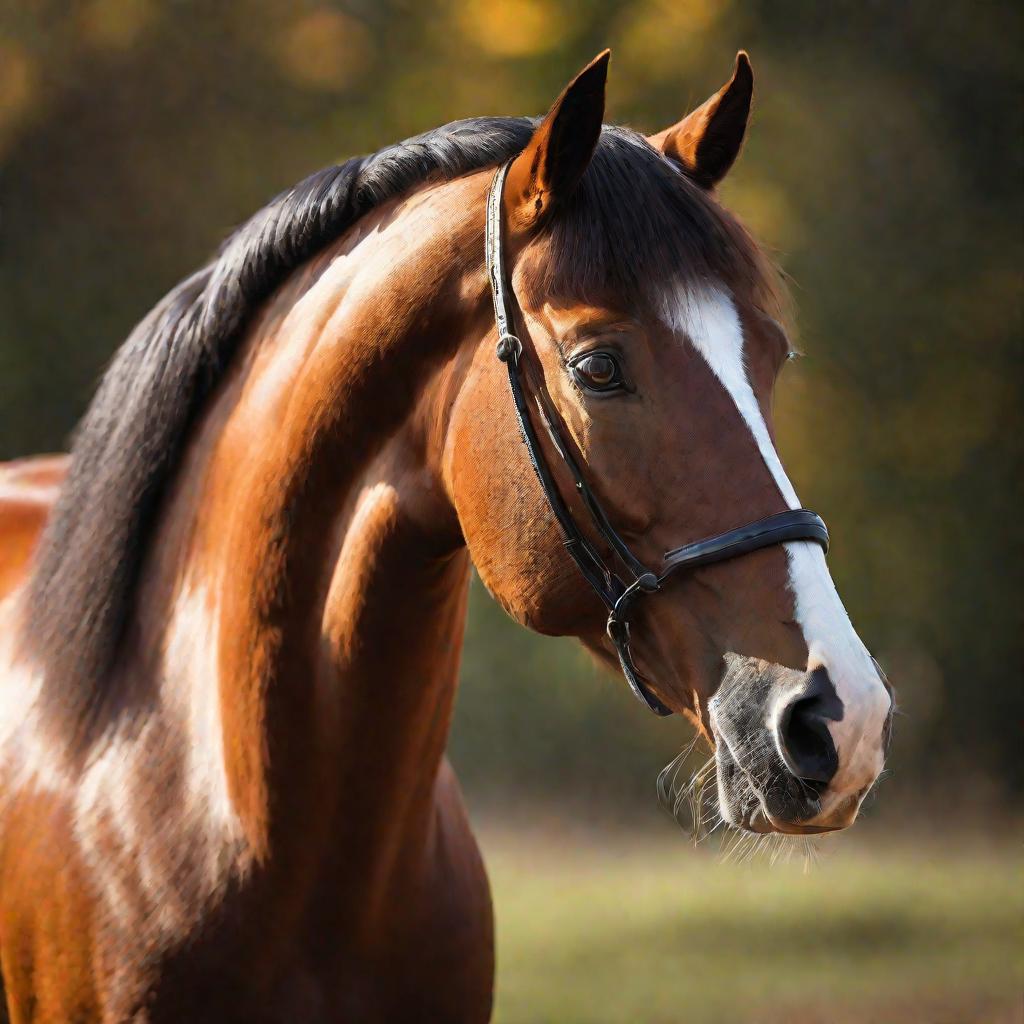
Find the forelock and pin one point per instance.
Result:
(637, 226)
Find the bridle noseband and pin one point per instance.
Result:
(617, 594)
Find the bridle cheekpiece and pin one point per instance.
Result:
(618, 594)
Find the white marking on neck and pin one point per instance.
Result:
(155, 871)
(26, 758)
(708, 318)
(165, 877)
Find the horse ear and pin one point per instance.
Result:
(550, 167)
(708, 140)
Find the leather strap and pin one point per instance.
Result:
(793, 524)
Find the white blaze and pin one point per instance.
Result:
(708, 318)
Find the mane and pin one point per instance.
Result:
(613, 235)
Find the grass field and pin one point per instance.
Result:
(651, 930)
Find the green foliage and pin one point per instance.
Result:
(884, 167)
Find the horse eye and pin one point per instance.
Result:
(597, 371)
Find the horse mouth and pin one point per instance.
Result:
(760, 822)
(722, 793)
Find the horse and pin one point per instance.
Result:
(230, 639)
(28, 489)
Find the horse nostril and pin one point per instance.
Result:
(805, 741)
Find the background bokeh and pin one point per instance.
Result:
(884, 169)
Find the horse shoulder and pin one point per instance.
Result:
(28, 489)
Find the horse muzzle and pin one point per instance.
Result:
(778, 764)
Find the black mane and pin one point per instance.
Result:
(633, 219)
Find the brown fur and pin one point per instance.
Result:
(28, 488)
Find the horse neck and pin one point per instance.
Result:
(320, 546)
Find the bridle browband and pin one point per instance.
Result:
(617, 594)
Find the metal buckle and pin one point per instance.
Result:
(509, 348)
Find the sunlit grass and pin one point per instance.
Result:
(592, 930)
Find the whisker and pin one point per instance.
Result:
(689, 804)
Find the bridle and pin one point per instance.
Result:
(618, 595)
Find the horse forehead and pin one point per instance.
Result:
(707, 315)
(696, 340)
(560, 318)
